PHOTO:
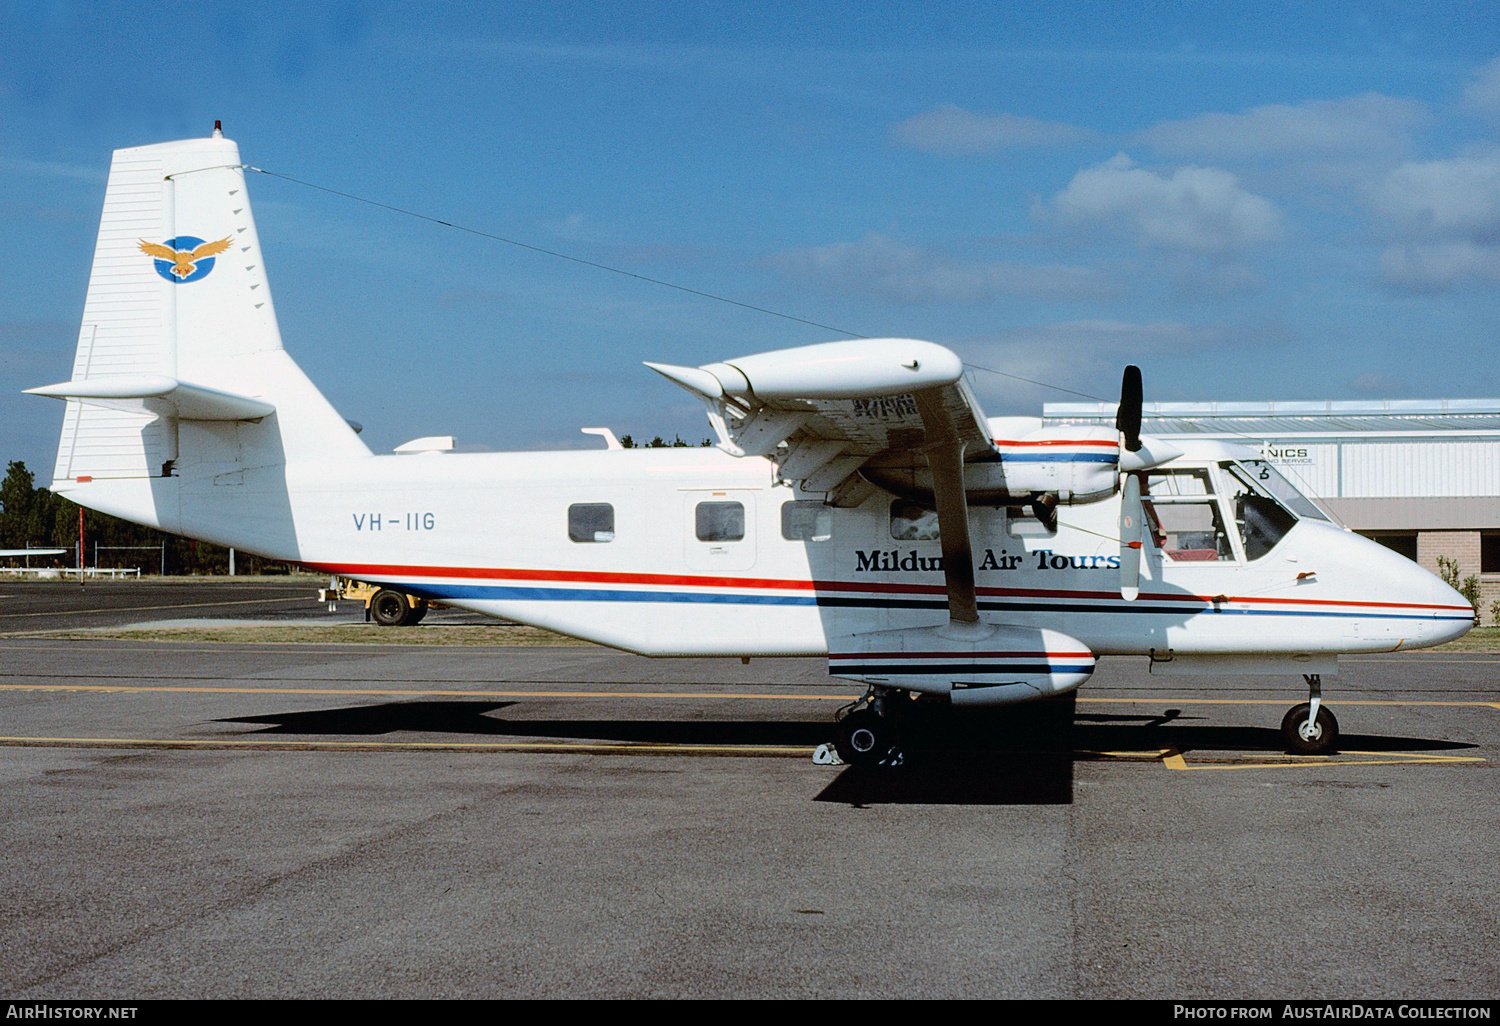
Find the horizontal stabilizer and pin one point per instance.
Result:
(162, 395)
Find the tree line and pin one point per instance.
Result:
(628, 442)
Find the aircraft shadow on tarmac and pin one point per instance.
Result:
(1018, 756)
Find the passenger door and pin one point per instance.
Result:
(719, 529)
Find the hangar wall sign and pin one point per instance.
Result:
(1277, 452)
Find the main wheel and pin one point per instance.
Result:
(1302, 739)
(389, 608)
(418, 611)
(864, 738)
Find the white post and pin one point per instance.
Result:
(231, 562)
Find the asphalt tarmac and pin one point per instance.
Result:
(328, 820)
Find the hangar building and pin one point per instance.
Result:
(1421, 475)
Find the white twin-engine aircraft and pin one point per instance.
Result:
(859, 506)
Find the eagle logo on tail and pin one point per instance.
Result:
(183, 265)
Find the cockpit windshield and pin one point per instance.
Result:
(1265, 505)
(1269, 480)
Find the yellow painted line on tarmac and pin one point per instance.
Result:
(1085, 755)
(1173, 760)
(537, 693)
(601, 748)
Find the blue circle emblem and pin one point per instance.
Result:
(184, 245)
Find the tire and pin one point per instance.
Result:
(1323, 738)
(418, 611)
(864, 738)
(389, 608)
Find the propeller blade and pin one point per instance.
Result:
(1128, 419)
(1131, 516)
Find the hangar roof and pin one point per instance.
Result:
(1295, 417)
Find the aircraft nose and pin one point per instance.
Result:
(1453, 617)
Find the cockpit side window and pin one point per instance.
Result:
(1262, 520)
(1170, 483)
(1184, 516)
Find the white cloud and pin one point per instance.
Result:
(1455, 199)
(954, 131)
(1196, 209)
(1086, 356)
(1439, 267)
(1112, 338)
(1358, 125)
(903, 273)
(1444, 216)
(1483, 94)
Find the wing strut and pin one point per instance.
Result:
(944, 450)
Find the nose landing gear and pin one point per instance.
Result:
(1310, 728)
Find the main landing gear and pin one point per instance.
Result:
(1310, 728)
(868, 731)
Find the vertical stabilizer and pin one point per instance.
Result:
(180, 377)
(179, 292)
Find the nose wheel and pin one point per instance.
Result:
(1310, 728)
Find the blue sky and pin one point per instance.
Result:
(1299, 201)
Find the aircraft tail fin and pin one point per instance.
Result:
(180, 365)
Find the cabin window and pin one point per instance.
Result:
(804, 520)
(913, 522)
(591, 522)
(720, 521)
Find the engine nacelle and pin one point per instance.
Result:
(1077, 464)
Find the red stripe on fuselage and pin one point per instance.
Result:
(379, 571)
(1099, 442)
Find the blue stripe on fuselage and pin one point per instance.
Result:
(514, 593)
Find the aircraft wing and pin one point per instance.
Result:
(841, 404)
(837, 405)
